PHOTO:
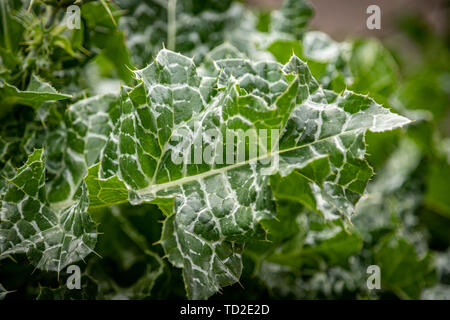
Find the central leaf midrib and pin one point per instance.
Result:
(164, 186)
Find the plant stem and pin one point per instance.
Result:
(108, 10)
(51, 18)
(171, 24)
(5, 26)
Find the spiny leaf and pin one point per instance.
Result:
(35, 95)
(53, 238)
(84, 133)
(218, 206)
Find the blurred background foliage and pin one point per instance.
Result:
(401, 225)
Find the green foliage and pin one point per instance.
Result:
(87, 177)
(52, 238)
(35, 94)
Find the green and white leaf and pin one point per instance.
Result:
(292, 18)
(83, 134)
(52, 238)
(217, 207)
(190, 27)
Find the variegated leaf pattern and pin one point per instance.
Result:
(52, 238)
(82, 136)
(334, 127)
(217, 206)
(192, 27)
(292, 18)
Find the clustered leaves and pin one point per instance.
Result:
(88, 177)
